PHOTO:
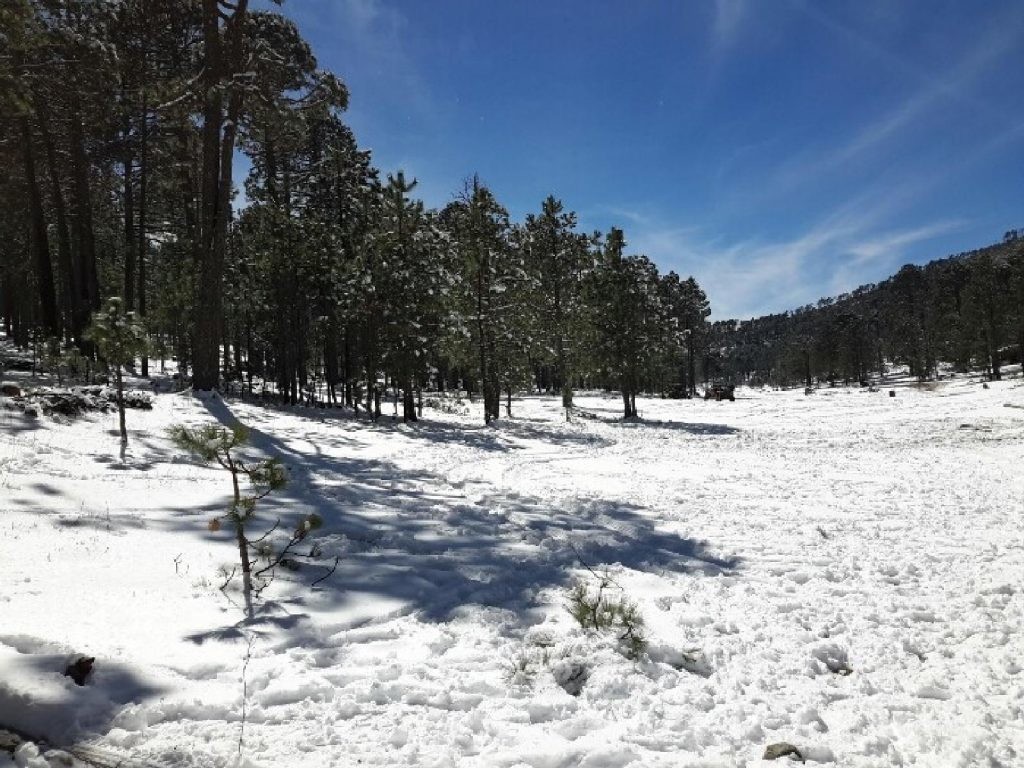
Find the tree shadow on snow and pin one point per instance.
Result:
(495, 437)
(14, 423)
(492, 438)
(410, 542)
(40, 702)
(692, 428)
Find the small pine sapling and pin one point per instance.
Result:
(76, 365)
(119, 338)
(598, 610)
(66, 364)
(53, 359)
(218, 445)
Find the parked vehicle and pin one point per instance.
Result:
(720, 392)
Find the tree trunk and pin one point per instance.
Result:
(243, 556)
(206, 313)
(242, 541)
(346, 368)
(691, 363)
(143, 200)
(8, 304)
(217, 156)
(40, 241)
(68, 274)
(993, 336)
(120, 403)
(130, 241)
(371, 359)
(481, 270)
(85, 241)
(237, 349)
(331, 358)
(408, 401)
(1020, 345)
(248, 356)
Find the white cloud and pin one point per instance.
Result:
(883, 253)
(951, 86)
(752, 277)
(729, 15)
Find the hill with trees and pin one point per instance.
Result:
(965, 310)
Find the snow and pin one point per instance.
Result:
(841, 572)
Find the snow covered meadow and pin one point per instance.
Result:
(839, 571)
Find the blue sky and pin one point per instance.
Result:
(777, 150)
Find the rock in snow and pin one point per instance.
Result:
(782, 749)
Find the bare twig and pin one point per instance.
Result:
(603, 578)
(270, 531)
(283, 553)
(332, 569)
(227, 580)
(263, 583)
(250, 639)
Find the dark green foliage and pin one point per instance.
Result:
(559, 257)
(602, 610)
(218, 445)
(118, 335)
(331, 284)
(493, 332)
(120, 339)
(967, 310)
(334, 283)
(629, 318)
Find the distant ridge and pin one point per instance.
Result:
(966, 309)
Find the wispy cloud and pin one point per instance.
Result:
(751, 277)
(729, 16)
(883, 253)
(950, 87)
(384, 40)
(372, 45)
(883, 246)
(849, 246)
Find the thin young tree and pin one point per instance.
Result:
(119, 338)
(218, 445)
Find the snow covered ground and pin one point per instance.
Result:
(840, 571)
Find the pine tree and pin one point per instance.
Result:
(120, 339)
(987, 304)
(221, 446)
(560, 258)
(488, 303)
(412, 284)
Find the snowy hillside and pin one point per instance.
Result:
(841, 572)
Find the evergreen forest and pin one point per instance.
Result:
(325, 279)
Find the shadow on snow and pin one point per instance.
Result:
(410, 542)
(61, 709)
(693, 428)
(495, 437)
